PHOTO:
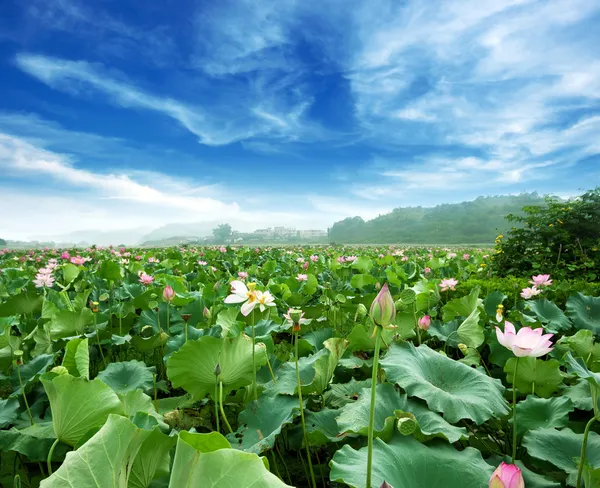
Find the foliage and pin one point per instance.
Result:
(559, 237)
(222, 232)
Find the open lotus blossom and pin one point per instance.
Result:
(265, 299)
(247, 295)
(152, 259)
(341, 259)
(302, 277)
(242, 275)
(78, 260)
(146, 279)
(65, 255)
(426, 270)
(451, 255)
(527, 342)
(43, 280)
(314, 258)
(541, 280)
(202, 263)
(351, 259)
(507, 476)
(448, 284)
(528, 293)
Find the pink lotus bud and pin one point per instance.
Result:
(305, 265)
(168, 293)
(383, 309)
(424, 322)
(507, 476)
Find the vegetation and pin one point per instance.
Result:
(475, 222)
(562, 238)
(186, 367)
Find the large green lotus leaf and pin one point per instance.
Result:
(145, 344)
(362, 264)
(542, 413)
(77, 357)
(127, 376)
(110, 271)
(405, 462)
(152, 460)
(447, 332)
(30, 372)
(193, 366)
(70, 272)
(263, 420)
(137, 401)
(562, 448)
(43, 341)
(578, 367)
(221, 468)
(78, 405)
(462, 307)
(33, 441)
(22, 304)
(316, 371)
(584, 312)
(591, 477)
(550, 315)
(579, 394)
(470, 332)
(535, 375)
(9, 411)
(317, 338)
(354, 417)
(339, 394)
(321, 427)
(448, 387)
(67, 323)
(361, 280)
(581, 345)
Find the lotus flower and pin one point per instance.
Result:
(78, 260)
(448, 284)
(168, 293)
(528, 293)
(146, 279)
(314, 258)
(507, 476)
(383, 309)
(424, 322)
(242, 275)
(302, 277)
(527, 342)
(43, 280)
(240, 293)
(541, 280)
(265, 299)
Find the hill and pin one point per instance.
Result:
(474, 222)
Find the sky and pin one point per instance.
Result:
(127, 114)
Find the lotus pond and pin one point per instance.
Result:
(305, 366)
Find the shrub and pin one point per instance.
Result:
(560, 238)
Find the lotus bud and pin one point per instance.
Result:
(218, 369)
(378, 286)
(383, 309)
(361, 311)
(168, 293)
(385, 484)
(60, 370)
(424, 322)
(463, 348)
(207, 313)
(407, 425)
(507, 476)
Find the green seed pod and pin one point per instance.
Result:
(60, 370)
(361, 310)
(407, 425)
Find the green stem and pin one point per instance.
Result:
(98, 339)
(154, 385)
(514, 439)
(49, 460)
(312, 474)
(253, 359)
(372, 411)
(271, 369)
(24, 396)
(586, 433)
(185, 327)
(222, 409)
(168, 318)
(217, 403)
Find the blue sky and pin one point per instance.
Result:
(122, 114)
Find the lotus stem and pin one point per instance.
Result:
(168, 318)
(50, 453)
(372, 411)
(154, 386)
(253, 358)
(217, 403)
(24, 396)
(222, 409)
(586, 433)
(185, 329)
(98, 339)
(271, 369)
(310, 467)
(514, 439)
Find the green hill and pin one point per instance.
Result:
(475, 222)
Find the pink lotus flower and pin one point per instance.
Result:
(351, 259)
(451, 255)
(426, 270)
(528, 293)
(78, 260)
(152, 259)
(507, 476)
(300, 260)
(302, 277)
(314, 258)
(242, 275)
(448, 284)
(223, 249)
(202, 263)
(541, 280)
(65, 255)
(527, 342)
(43, 280)
(404, 258)
(168, 293)
(424, 322)
(146, 279)
(138, 258)
(341, 259)
(466, 257)
(305, 265)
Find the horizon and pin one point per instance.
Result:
(120, 116)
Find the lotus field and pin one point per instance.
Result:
(293, 366)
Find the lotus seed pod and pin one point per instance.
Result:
(60, 370)
(463, 348)
(361, 310)
(407, 425)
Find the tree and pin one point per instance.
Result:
(2, 242)
(222, 232)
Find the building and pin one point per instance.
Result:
(313, 234)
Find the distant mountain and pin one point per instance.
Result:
(475, 222)
(100, 238)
